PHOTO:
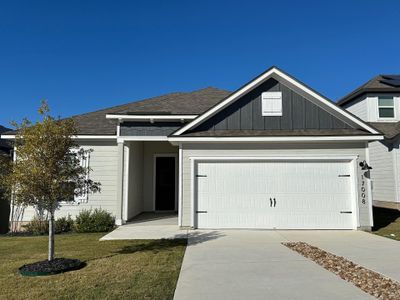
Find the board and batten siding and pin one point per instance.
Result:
(104, 162)
(149, 129)
(300, 150)
(382, 173)
(297, 113)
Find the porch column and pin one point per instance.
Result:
(120, 183)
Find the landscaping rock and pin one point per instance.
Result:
(369, 281)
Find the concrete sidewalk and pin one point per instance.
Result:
(251, 264)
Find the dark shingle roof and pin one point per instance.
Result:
(378, 84)
(264, 133)
(191, 103)
(389, 129)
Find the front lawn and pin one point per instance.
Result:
(387, 223)
(134, 269)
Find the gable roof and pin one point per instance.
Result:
(278, 74)
(378, 84)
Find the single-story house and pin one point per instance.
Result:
(273, 154)
(377, 102)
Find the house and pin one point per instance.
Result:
(5, 146)
(377, 102)
(272, 154)
(5, 150)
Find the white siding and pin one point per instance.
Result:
(366, 108)
(103, 161)
(150, 149)
(135, 180)
(359, 108)
(382, 173)
(193, 150)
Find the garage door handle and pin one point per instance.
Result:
(270, 202)
(274, 202)
(346, 212)
(201, 211)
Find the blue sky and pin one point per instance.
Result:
(86, 55)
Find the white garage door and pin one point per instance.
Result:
(274, 194)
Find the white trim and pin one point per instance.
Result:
(354, 186)
(192, 193)
(283, 157)
(369, 188)
(119, 128)
(125, 188)
(174, 155)
(352, 159)
(143, 138)
(277, 138)
(88, 137)
(151, 117)
(180, 168)
(258, 81)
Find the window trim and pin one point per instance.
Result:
(386, 106)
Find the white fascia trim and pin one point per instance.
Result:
(277, 139)
(259, 80)
(83, 137)
(151, 117)
(142, 138)
(284, 157)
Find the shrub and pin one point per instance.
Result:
(40, 227)
(97, 220)
(64, 224)
(37, 226)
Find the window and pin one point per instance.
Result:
(84, 162)
(271, 103)
(386, 107)
(84, 157)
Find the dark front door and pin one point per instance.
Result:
(165, 183)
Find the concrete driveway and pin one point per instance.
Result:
(251, 264)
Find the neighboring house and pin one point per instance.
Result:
(5, 149)
(5, 145)
(378, 103)
(272, 154)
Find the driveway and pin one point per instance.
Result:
(251, 264)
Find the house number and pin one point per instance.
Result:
(363, 200)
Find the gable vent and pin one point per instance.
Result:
(271, 103)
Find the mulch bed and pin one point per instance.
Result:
(369, 281)
(56, 266)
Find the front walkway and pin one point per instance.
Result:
(148, 226)
(253, 264)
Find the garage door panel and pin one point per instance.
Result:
(304, 194)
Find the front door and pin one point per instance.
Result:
(165, 183)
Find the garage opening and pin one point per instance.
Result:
(295, 194)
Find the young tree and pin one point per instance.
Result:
(48, 167)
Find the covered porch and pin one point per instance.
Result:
(148, 183)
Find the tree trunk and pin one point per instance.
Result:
(51, 236)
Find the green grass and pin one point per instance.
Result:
(387, 223)
(134, 269)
